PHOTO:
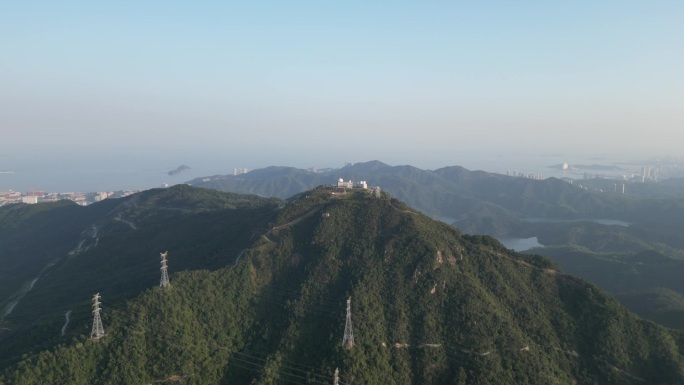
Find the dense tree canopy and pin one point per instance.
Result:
(429, 306)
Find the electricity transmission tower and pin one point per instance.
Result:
(348, 340)
(164, 283)
(336, 381)
(98, 329)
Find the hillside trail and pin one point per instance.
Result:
(276, 228)
(402, 211)
(295, 221)
(239, 255)
(90, 235)
(27, 287)
(67, 322)
(132, 225)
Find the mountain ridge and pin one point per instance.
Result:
(611, 228)
(430, 305)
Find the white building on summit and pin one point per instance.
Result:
(361, 184)
(342, 184)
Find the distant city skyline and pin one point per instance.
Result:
(224, 85)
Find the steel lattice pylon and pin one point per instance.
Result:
(348, 340)
(164, 283)
(98, 330)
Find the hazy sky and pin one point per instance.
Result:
(319, 82)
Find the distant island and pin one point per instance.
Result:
(179, 170)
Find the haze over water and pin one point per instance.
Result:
(99, 96)
(121, 173)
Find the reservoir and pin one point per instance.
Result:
(520, 244)
(607, 222)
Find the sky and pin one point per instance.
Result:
(316, 83)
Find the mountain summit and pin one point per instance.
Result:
(427, 305)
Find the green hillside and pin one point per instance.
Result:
(430, 305)
(560, 215)
(25, 230)
(55, 256)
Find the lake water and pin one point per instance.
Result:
(520, 244)
(607, 222)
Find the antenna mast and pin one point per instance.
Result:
(348, 340)
(98, 329)
(164, 283)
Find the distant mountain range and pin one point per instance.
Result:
(259, 289)
(474, 201)
(453, 194)
(479, 202)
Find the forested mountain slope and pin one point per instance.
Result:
(429, 306)
(593, 234)
(54, 257)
